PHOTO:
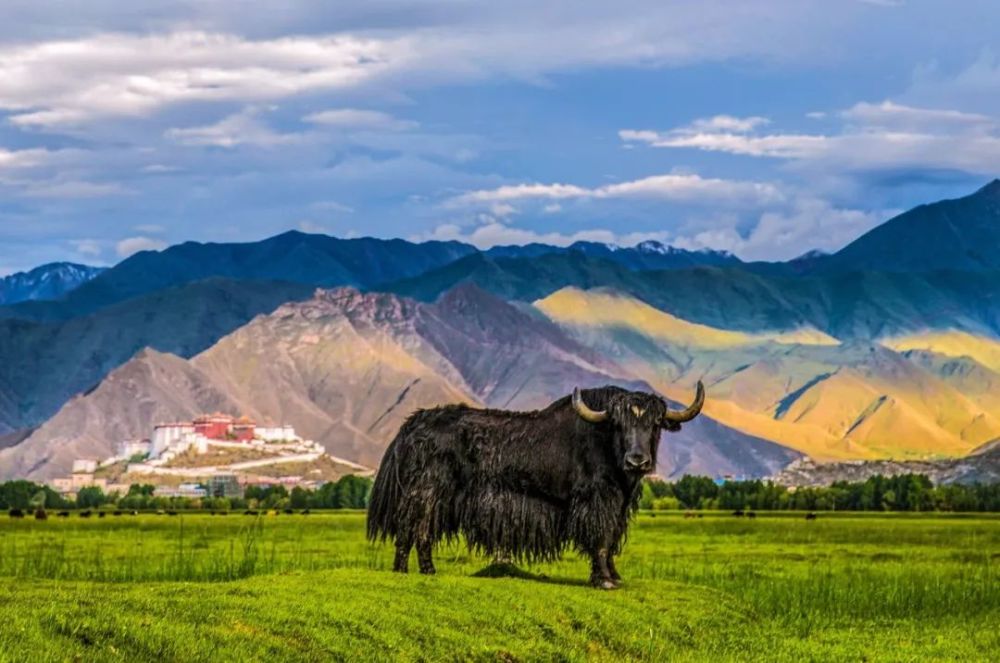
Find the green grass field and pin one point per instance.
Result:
(198, 587)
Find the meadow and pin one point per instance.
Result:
(894, 587)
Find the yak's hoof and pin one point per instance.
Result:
(428, 572)
(604, 583)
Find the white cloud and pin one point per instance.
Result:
(809, 223)
(890, 115)
(729, 123)
(787, 146)
(109, 63)
(70, 82)
(354, 118)
(877, 136)
(22, 158)
(87, 247)
(241, 128)
(501, 210)
(680, 188)
(132, 245)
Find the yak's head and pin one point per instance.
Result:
(636, 419)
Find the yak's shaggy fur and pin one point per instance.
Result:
(518, 485)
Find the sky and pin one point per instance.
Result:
(762, 127)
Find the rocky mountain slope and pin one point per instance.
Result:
(50, 281)
(346, 368)
(43, 364)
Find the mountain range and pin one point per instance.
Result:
(886, 349)
(348, 368)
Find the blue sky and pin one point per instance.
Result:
(764, 128)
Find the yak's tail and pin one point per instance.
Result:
(384, 505)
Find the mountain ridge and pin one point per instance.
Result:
(49, 281)
(957, 234)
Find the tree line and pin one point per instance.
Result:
(906, 492)
(348, 492)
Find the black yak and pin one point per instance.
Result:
(523, 485)
(16, 513)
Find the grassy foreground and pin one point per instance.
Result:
(200, 587)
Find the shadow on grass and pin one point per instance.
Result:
(508, 570)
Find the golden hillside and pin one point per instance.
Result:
(599, 308)
(951, 343)
(798, 388)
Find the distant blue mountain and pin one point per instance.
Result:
(961, 235)
(292, 257)
(50, 281)
(648, 255)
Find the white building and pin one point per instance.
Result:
(184, 490)
(168, 435)
(283, 433)
(130, 448)
(78, 480)
(84, 466)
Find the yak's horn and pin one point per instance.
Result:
(585, 412)
(691, 411)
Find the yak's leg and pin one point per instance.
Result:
(600, 574)
(402, 561)
(424, 557)
(593, 529)
(613, 571)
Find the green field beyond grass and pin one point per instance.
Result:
(197, 587)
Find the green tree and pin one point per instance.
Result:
(299, 498)
(90, 497)
(691, 490)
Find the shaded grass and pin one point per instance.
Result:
(196, 587)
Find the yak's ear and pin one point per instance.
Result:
(671, 426)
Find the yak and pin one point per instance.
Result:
(523, 486)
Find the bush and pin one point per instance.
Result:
(666, 504)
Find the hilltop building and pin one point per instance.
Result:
(232, 446)
(84, 466)
(180, 436)
(133, 448)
